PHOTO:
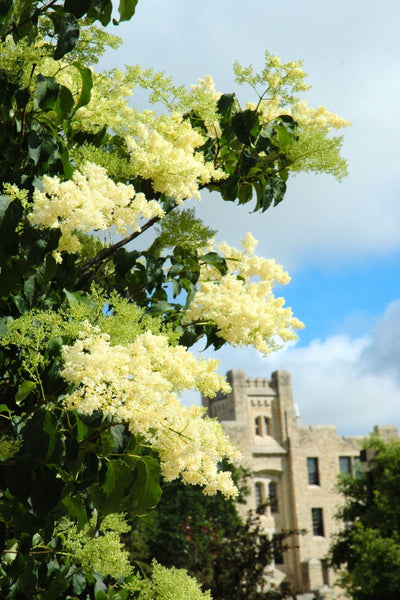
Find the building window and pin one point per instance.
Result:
(262, 426)
(345, 464)
(278, 550)
(313, 473)
(259, 493)
(356, 466)
(325, 571)
(317, 521)
(350, 465)
(273, 497)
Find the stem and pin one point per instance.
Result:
(25, 107)
(106, 253)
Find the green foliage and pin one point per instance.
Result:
(66, 476)
(367, 551)
(208, 537)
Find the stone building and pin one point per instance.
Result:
(295, 471)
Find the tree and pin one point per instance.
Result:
(208, 537)
(95, 335)
(367, 551)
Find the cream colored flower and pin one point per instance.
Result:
(241, 303)
(138, 384)
(89, 201)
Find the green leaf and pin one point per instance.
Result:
(46, 92)
(246, 126)
(217, 261)
(176, 287)
(82, 429)
(24, 390)
(117, 478)
(124, 260)
(46, 490)
(75, 509)
(29, 288)
(58, 584)
(230, 188)
(65, 103)
(78, 298)
(245, 193)
(42, 149)
(44, 441)
(68, 35)
(77, 7)
(87, 84)
(22, 97)
(160, 307)
(5, 6)
(10, 214)
(146, 490)
(126, 9)
(225, 104)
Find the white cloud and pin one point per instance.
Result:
(351, 70)
(353, 383)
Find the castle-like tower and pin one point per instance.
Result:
(295, 471)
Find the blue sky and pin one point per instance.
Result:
(339, 241)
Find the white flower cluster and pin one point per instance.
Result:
(244, 310)
(89, 201)
(138, 384)
(163, 149)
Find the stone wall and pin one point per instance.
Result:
(260, 418)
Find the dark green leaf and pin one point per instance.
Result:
(22, 97)
(58, 584)
(246, 126)
(176, 287)
(160, 307)
(77, 7)
(126, 9)
(146, 490)
(43, 438)
(78, 583)
(5, 6)
(245, 193)
(225, 104)
(10, 215)
(24, 390)
(124, 260)
(75, 509)
(217, 261)
(46, 92)
(87, 84)
(117, 478)
(68, 35)
(65, 102)
(46, 490)
(230, 188)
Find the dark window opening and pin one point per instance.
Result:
(259, 493)
(317, 521)
(345, 464)
(313, 472)
(278, 550)
(325, 572)
(273, 497)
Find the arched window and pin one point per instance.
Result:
(273, 497)
(259, 493)
(266, 426)
(258, 425)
